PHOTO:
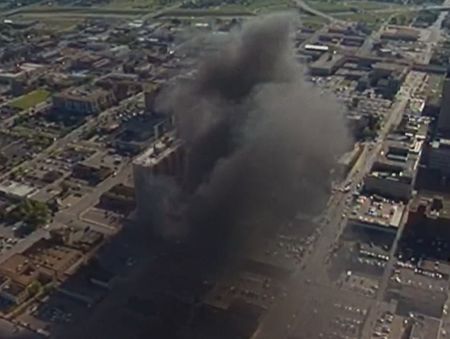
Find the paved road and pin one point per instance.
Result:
(308, 9)
(158, 13)
(412, 82)
(273, 325)
(397, 10)
(435, 35)
(6, 123)
(74, 214)
(68, 138)
(24, 244)
(366, 47)
(13, 331)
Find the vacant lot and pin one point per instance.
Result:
(206, 12)
(132, 4)
(31, 99)
(334, 6)
(80, 11)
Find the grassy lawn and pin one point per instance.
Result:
(31, 99)
(233, 11)
(403, 18)
(260, 6)
(275, 8)
(53, 11)
(60, 24)
(371, 19)
(370, 5)
(50, 22)
(329, 6)
(334, 6)
(132, 4)
(313, 22)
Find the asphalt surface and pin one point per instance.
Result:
(302, 287)
(308, 9)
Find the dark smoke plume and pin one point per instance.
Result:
(261, 141)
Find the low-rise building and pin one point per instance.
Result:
(92, 174)
(327, 64)
(79, 288)
(394, 172)
(14, 292)
(316, 48)
(21, 77)
(53, 259)
(83, 101)
(376, 214)
(19, 269)
(119, 198)
(348, 159)
(85, 240)
(16, 190)
(400, 33)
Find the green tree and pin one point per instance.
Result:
(31, 212)
(34, 288)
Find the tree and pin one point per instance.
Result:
(368, 133)
(32, 213)
(34, 288)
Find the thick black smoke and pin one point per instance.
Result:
(261, 141)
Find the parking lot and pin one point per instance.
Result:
(334, 314)
(364, 285)
(56, 312)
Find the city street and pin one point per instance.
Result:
(299, 292)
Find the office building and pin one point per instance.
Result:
(327, 64)
(83, 101)
(400, 33)
(155, 172)
(428, 218)
(439, 156)
(150, 93)
(376, 214)
(444, 113)
(394, 172)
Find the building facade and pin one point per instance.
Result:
(83, 101)
(444, 113)
(156, 172)
(439, 156)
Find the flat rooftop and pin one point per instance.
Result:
(78, 93)
(441, 143)
(428, 328)
(435, 206)
(388, 66)
(16, 189)
(55, 257)
(398, 160)
(160, 149)
(328, 60)
(377, 212)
